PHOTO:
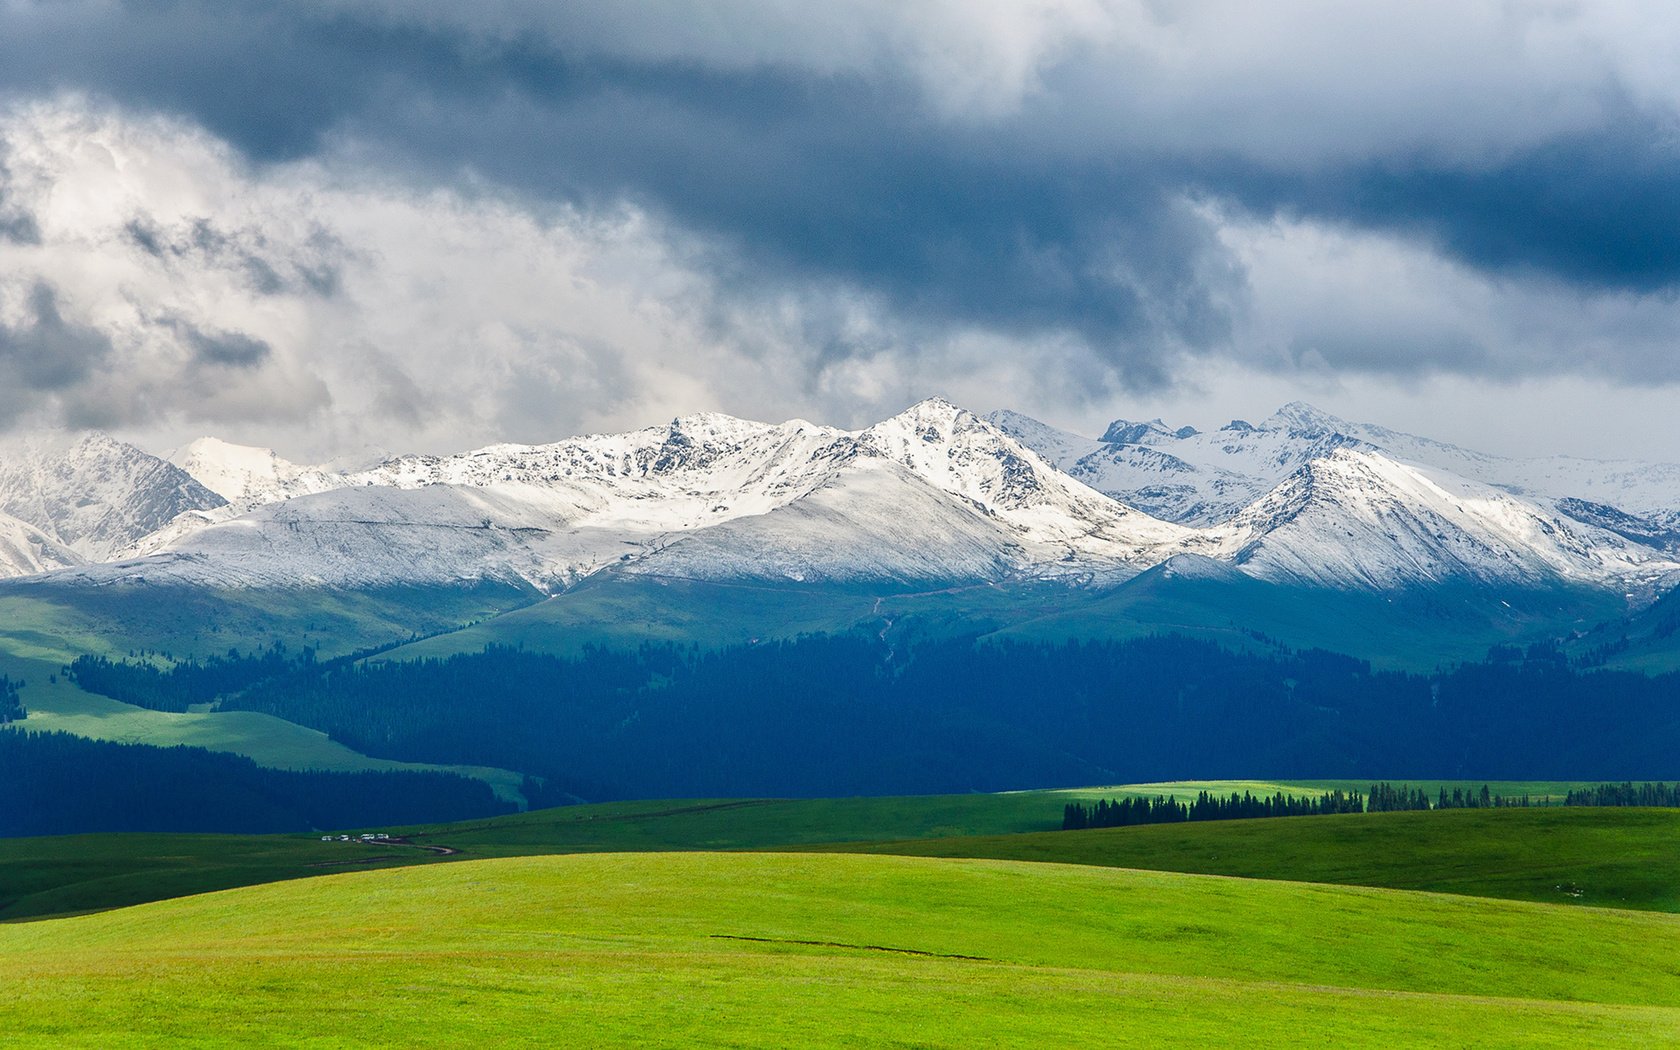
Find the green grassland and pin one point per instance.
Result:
(630, 610)
(61, 706)
(1643, 641)
(1495, 853)
(724, 824)
(1622, 858)
(70, 874)
(48, 876)
(829, 950)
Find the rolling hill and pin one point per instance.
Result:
(773, 950)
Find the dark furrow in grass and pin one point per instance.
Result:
(855, 947)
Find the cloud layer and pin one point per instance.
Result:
(392, 223)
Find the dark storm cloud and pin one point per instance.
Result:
(232, 349)
(1600, 208)
(263, 268)
(44, 354)
(1051, 220)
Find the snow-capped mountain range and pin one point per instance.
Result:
(934, 494)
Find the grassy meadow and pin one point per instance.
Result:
(1620, 857)
(706, 949)
(937, 921)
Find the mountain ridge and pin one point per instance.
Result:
(934, 493)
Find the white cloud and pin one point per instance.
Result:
(1327, 298)
(325, 306)
(362, 310)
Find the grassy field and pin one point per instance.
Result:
(759, 823)
(654, 609)
(69, 874)
(50, 876)
(1622, 858)
(1418, 632)
(1613, 856)
(782, 950)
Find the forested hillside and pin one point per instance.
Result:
(842, 714)
(53, 784)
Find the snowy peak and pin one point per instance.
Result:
(247, 476)
(1298, 415)
(1184, 476)
(959, 453)
(1356, 518)
(93, 494)
(933, 493)
(1141, 476)
(1124, 432)
(1311, 498)
(694, 471)
(975, 460)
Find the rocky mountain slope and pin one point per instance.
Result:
(24, 550)
(1356, 517)
(94, 495)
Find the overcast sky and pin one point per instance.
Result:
(334, 225)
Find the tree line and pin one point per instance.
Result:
(1625, 794)
(1164, 809)
(155, 681)
(1383, 797)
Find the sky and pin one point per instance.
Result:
(343, 226)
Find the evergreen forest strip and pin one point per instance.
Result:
(1382, 798)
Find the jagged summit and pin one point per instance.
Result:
(1298, 415)
(934, 412)
(1125, 432)
(93, 494)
